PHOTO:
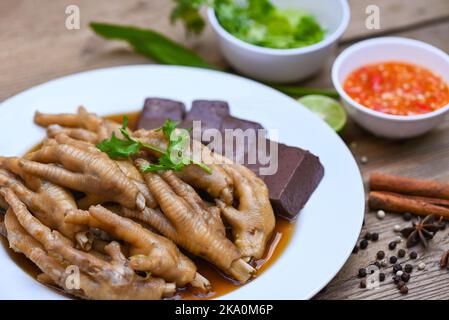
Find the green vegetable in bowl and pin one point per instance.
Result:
(255, 21)
(260, 23)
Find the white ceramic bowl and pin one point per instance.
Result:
(286, 65)
(390, 49)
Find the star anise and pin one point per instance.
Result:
(422, 230)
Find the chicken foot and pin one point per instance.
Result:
(253, 221)
(217, 183)
(81, 120)
(126, 166)
(48, 202)
(148, 251)
(197, 229)
(98, 279)
(75, 133)
(89, 172)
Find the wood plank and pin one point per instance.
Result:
(435, 35)
(424, 157)
(394, 15)
(37, 47)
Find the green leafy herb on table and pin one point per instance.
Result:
(151, 44)
(171, 159)
(166, 51)
(189, 12)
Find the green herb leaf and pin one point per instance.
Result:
(189, 12)
(117, 148)
(168, 127)
(171, 159)
(151, 44)
(260, 23)
(174, 158)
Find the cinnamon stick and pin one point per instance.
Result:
(389, 201)
(409, 186)
(435, 201)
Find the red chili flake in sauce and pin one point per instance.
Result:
(397, 88)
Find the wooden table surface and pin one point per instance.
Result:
(36, 47)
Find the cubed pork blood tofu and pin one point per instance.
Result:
(156, 111)
(299, 171)
(299, 174)
(210, 113)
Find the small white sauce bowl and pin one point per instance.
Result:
(390, 49)
(286, 65)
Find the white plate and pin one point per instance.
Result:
(328, 226)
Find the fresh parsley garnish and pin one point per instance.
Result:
(124, 148)
(173, 158)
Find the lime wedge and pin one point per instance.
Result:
(326, 108)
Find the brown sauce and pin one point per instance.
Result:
(221, 284)
(26, 265)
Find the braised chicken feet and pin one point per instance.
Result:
(98, 279)
(48, 201)
(253, 221)
(148, 251)
(90, 172)
(198, 229)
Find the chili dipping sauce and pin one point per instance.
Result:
(397, 88)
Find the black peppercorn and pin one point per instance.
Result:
(396, 279)
(381, 277)
(401, 253)
(374, 236)
(405, 277)
(362, 273)
(413, 255)
(368, 236)
(392, 245)
(356, 249)
(363, 244)
(363, 284)
(407, 216)
(397, 267)
(380, 255)
(408, 268)
(393, 259)
(404, 290)
(400, 284)
(377, 264)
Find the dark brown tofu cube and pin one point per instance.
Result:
(230, 122)
(209, 112)
(299, 174)
(156, 111)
